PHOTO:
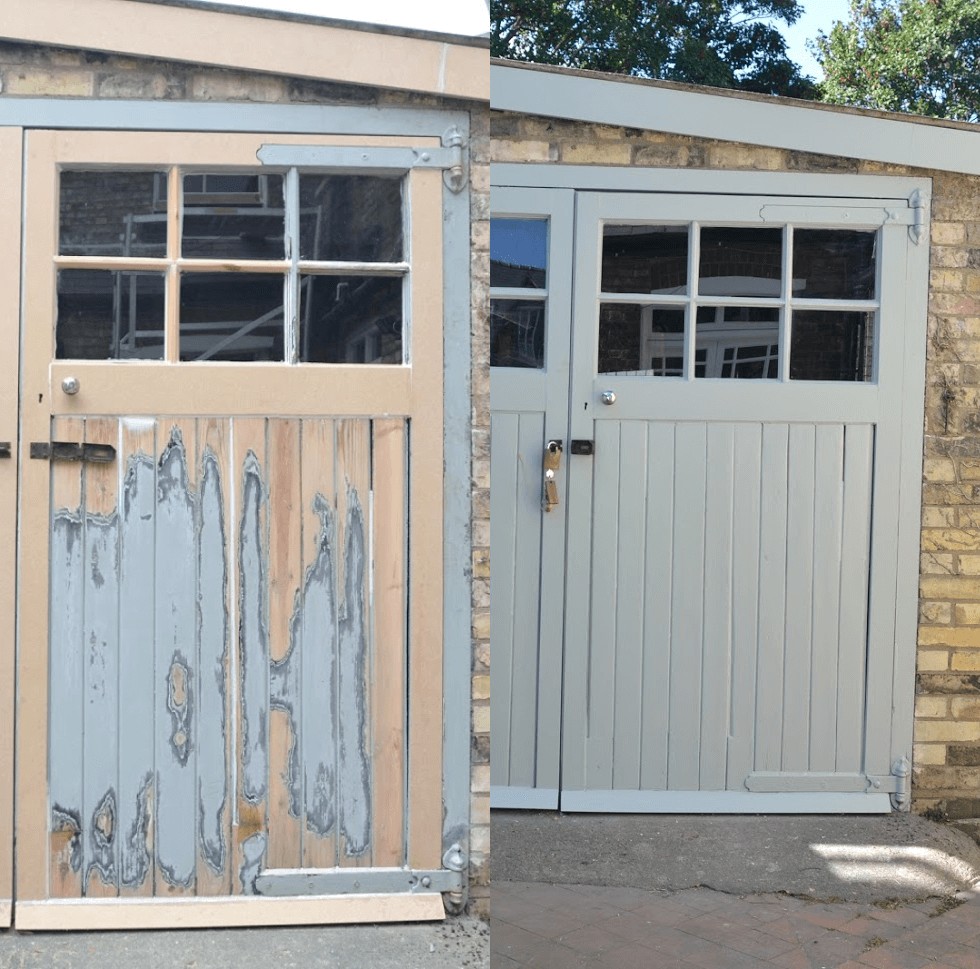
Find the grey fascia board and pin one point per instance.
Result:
(729, 118)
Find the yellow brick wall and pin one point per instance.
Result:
(38, 71)
(946, 778)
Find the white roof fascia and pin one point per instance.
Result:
(730, 118)
(222, 37)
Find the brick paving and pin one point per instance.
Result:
(541, 926)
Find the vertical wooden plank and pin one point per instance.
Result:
(285, 550)
(252, 688)
(317, 629)
(827, 565)
(602, 658)
(799, 598)
(747, 515)
(505, 498)
(524, 620)
(356, 796)
(716, 655)
(175, 652)
(100, 793)
(855, 556)
(629, 606)
(137, 580)
(687, 605)
(772, 599)
(658, 536)
(67, 847)
(213, 875)
(390, 604)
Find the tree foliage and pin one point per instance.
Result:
(920, 56)
(723, 43)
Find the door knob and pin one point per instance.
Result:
(70, 385)
(608, 397)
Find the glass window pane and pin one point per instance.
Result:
(644, 259)
(231, 316)
(741, 262)
(834, 263)
(517, 333)
(641, 340)
(737, 341)
(113, 214)
(832, 346)
(351, 319)
(105, 315)
(232, 216)
(518, 254)
(351, 218)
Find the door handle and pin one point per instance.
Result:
(552, 462)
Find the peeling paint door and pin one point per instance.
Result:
(222, 683)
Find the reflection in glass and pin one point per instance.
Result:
(350, 218)
(737, 341)
(113, 214)
(231, 316)
(351, 319)
(834, 263)
(741, 262)
(832, 346)
(644, 259)
(232, 216)
(517, 333)
(518, 254)
(106, 315)
(641, 340)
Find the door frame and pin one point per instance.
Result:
(892, 662)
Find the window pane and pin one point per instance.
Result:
(832, 346)
(737, 341)
(644, 259)
(113, 214)
(641, 340)
(741, 262)
(518, 254)
(231, 316)
(233, 216)
(350, 218)
(351, 319)
(834, 263)
(517, 333)
(105, 315)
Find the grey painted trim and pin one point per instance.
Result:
(457, 522)
(128, 115)
(722, 802)
(681, 181)
(356, 159)
(607, 100)
(524, 798)
(354, 881)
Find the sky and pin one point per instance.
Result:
(819, 15)
(467, 17)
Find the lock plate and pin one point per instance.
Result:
(580, 446)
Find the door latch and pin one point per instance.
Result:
(552, 462)
(4, 449)
(69, 451)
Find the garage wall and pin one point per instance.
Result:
(946, 775)
(27, 70)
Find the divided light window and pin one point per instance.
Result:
(701, 301)
(239, 265)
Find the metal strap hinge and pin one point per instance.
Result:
(70, 451)
(356, 881)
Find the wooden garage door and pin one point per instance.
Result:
(221, 679)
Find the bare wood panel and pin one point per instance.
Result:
(390, 605)
(827, 539)
(800, 569)
(285, 550)
(66, 839)
(100, 749)
(137, 540)
(716, 644)
(687, 607)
